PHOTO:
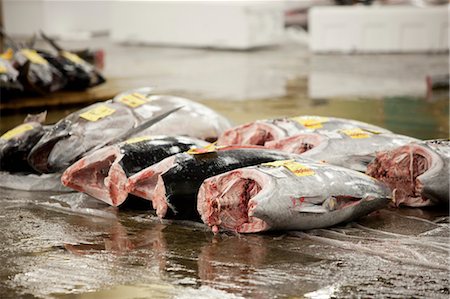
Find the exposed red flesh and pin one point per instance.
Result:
(400, 169)
(99, 175)
(225, 201)
(297, 144)
(252, 134)
(143, 183)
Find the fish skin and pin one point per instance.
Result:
(36, 77)
(9, 83)
(278, 199)
(80, 76)
(261, 131)
(193, 119)
(424, 181)
(14, 151)
(115, 163)
(177, 188)
(73, 136)
(338, 148)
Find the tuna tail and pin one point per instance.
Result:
(51, 42)
(40, 117)
(11, 43)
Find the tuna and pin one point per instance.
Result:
(36, 73)
(261, 131)
(194, 119)
(288, 195)
(104, 173)
(79, 73)
(351, 148)
(9, 84)
(172, 185)
(418, 173)
(108, 122)
(16, 144)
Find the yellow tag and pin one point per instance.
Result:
(311, 122)
(133, 100)
(138, 139)
(210, 148)
(8, 54)
(295, 167)
(356, 133)
(97, 113)
(3, 68)
(16, 131)
(72, 57)
(33, 56)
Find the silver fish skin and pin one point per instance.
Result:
(261, 131)
(417, 173)
(311, 195)
(193, 119)
(351, 148)
(74, 136)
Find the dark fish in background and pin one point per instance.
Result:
(103, 174)
(9, 83)
(288, 195)
(16, 144)
(261, 131)
(172, 184)
(417, 173)
(351, 148)
(79, 73)
(36, 74)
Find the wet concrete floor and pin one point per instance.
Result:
(71, 246)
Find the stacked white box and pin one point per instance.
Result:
(216, 24)
(379, 29)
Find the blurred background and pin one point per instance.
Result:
(383, 62)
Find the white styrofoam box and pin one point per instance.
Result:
(379, 29)
(56, 18)
(216, 24)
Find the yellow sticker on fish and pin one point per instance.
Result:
(33, 56)
(8, 54)
(16, 131)
(97, 113)
(72, 57)
(311, 122)
(356, 133)
(138, 139)
(133, 100)
(295, 167)
(210, 148)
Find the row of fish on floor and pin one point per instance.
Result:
(27, 70)
(292, 173)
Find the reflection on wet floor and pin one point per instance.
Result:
(72, 246)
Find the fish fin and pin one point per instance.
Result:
(359, 163)
(146, 124)
(40, 117)
(51, 41)
(309, 204)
